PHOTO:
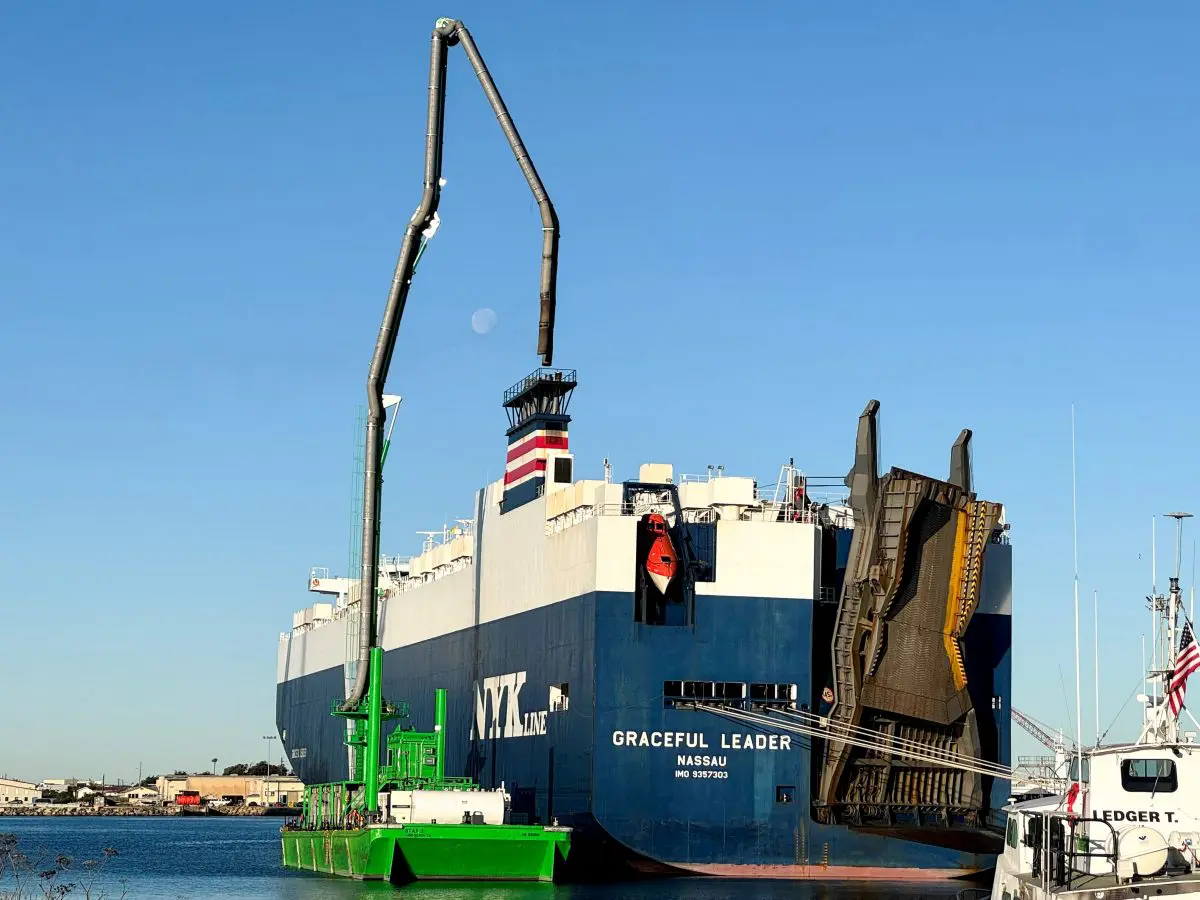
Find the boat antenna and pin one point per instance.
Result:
(1154, 636)
(1075, 548)
(1096, 657)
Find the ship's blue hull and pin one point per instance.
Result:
(642, 781)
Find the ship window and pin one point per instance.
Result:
(562, 470)
(770, 694)
(1149, 776)
(559, 697)
(1011, 835)
(785, 793)
(1087, 768)
(1033, 831)
(714, 692)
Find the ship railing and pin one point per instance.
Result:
(338, 613)
(759, 511)
(413, 581)
(539, 375)
(1063, 843)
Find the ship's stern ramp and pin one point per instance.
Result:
(912, 585)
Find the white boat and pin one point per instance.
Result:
(1129, 828)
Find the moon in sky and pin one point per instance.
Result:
(483, 320)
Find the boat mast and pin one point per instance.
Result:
(1160, 724)
(1175, 608)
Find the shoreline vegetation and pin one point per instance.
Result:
(52, 875)
(15, 811)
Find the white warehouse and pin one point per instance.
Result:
(14, 792)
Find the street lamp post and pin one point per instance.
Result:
(268, 738)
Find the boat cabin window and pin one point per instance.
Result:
(1033, 830)
(1010, 837)
(1149, 776)
(1087, 769)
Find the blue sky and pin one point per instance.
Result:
(769, 216)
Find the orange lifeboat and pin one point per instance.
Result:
(661, 561)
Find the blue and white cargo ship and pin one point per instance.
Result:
(593, 633)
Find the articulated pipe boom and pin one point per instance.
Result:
(446, 33)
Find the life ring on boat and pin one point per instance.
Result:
(316, 581)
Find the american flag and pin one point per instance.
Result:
(1187, 662)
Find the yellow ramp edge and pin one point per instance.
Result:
(953, 650)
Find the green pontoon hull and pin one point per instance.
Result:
(427, 852)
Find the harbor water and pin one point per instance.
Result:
(171, 858)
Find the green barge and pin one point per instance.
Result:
(404, 853)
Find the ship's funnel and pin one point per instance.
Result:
(537, 435)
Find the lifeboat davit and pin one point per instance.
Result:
(661, 562)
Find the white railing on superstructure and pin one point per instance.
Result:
(409, 582)
(823, 510)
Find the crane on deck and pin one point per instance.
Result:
(1054, 768)
(364, 705)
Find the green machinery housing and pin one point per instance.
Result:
(342, 830)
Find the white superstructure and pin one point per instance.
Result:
(576, 538)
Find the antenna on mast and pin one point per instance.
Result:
(1096, 657)
(1075, 547)
(1154, 631)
